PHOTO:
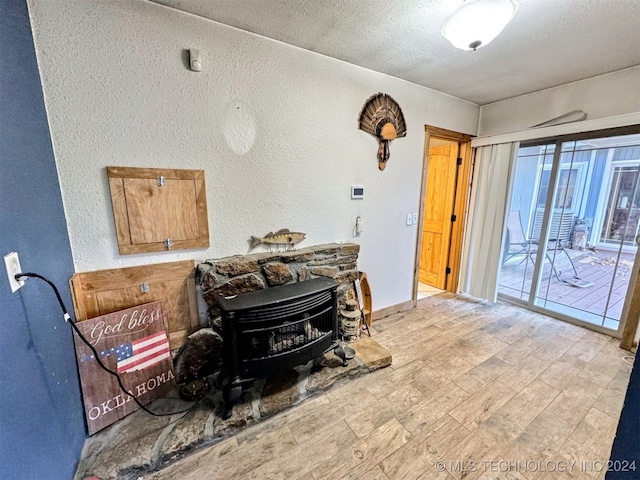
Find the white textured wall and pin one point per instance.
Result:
(603, 96)
(118, 92)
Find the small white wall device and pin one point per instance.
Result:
(357, 192)
(359, 227)
(194, 60)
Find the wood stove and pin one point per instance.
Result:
(274, 329)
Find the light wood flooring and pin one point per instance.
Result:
(494, 389)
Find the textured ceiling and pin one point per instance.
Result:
(548, 43)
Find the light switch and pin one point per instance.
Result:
(409, 219)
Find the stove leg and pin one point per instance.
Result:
(340, 353)
(219, 381)
(231, 395)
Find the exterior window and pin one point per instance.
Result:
(623, 206)
(567, 184)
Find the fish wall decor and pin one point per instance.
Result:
(281, 237)
(382, 117)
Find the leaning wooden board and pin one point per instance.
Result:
(106, 291)
(366, 298)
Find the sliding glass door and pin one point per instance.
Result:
(572, 215)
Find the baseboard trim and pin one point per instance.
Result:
(392, 310)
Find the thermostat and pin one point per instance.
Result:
(357, 192)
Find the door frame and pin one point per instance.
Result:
(461, 202)
(630, 317)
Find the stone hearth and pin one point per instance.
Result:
(246, 273)
(141, 443)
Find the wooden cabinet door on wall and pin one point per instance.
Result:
(106, 291)
(158, 209)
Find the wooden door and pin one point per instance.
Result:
(438, 208)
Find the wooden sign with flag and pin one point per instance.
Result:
(133, 343)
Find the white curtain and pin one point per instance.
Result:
(480, 263)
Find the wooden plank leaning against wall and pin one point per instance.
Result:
(105, 291)
(460, 204)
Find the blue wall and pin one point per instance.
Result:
(41, 415)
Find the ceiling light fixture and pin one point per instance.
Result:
(475, 23)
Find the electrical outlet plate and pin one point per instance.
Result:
(409, 218)
(415, 218)
(12, 264)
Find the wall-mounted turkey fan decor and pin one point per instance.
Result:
(382, 117)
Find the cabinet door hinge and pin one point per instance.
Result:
(459, 161)
(453, 218)
(447, 270)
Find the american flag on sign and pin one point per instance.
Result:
(142, 353)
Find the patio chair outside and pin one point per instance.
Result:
(559, 259)
(517, 243)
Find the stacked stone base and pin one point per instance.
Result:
(246, 273)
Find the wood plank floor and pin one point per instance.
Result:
(475, 391)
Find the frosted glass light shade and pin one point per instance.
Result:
(476, 22)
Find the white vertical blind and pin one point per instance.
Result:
(482, 246)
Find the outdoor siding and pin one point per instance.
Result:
(594, 188)
(580, 156)
(627, 153)
(524, 184)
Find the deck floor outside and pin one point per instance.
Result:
(586, 304)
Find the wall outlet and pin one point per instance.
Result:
(415, 218)
(409, 219)
(12, 264)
